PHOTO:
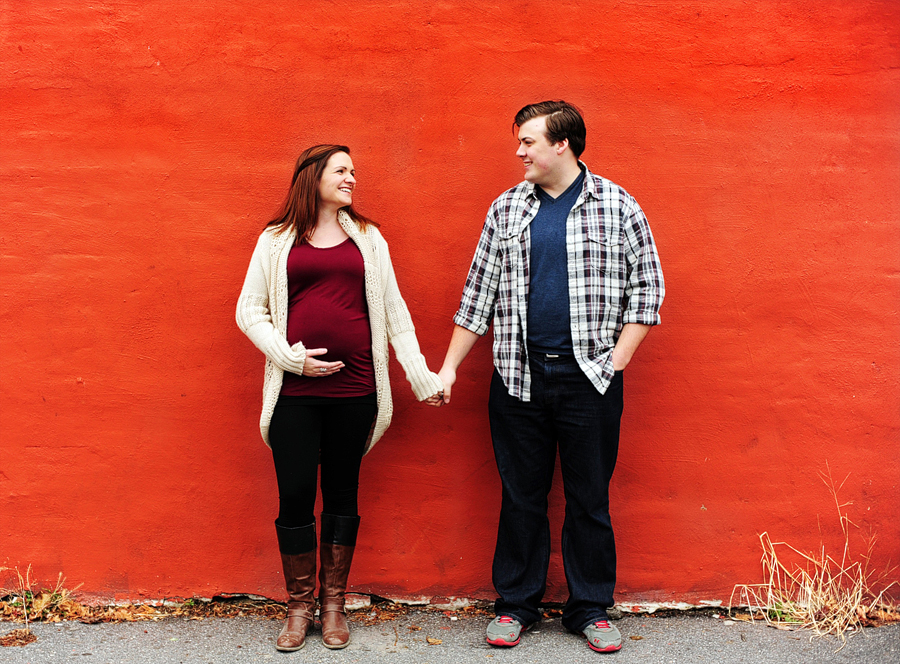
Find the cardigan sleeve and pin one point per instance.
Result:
(401, 331)
(254, 316)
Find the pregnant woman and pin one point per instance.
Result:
(320, 300)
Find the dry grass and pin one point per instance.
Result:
(826, 594)
(25, 603)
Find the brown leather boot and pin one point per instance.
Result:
(336, 552)
(300, 581)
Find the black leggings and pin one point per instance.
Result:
(306, 431)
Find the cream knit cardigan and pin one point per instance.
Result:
(262, 312)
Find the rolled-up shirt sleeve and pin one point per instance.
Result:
(476, 307)
(645, 287)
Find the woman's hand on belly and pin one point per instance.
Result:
(314, 368)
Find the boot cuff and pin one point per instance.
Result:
(294, 541)
(339, 529)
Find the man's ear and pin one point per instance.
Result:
(562, 145)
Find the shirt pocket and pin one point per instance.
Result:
(605, 253)
(511, 259)
(512, 249)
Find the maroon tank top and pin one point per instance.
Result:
(327, 309)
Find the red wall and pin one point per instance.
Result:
(145, 145)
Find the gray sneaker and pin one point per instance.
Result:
(603, 637)
(504, 631)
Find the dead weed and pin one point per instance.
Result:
(826, 594)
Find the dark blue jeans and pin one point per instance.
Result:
(567, 410)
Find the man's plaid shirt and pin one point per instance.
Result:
(614, 278)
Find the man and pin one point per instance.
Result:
(567, 270)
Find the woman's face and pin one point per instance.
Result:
(337, 182)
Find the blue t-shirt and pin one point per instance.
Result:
(548, 297)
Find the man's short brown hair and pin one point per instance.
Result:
(564, 122)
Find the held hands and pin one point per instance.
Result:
(440, 398)
(448, 378)
(314, 368)
(437, 399)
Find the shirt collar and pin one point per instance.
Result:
(589, 187)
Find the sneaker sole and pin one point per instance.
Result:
(500, 643)
(612, 648)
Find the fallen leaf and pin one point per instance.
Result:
(636, 638)
(18, 637)
(40, 603)
(433, 642)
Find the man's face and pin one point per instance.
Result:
(540, 157)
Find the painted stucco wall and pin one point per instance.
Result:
(145, 144)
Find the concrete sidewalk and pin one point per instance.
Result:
(431, 637)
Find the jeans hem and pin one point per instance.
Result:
(587, 622)
(525, 624)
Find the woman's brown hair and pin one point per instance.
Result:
(300, 211)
